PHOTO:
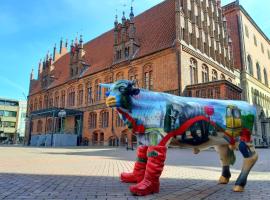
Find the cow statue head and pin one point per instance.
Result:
(119, 94)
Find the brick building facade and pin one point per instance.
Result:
(251, 53)
(175, 44)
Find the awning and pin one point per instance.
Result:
(53, 112)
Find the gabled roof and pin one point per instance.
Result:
(155, 30)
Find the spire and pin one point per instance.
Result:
(123, 18)
(40, 66)
(131, 15)
(61, 45)
(116, 21)
(66, 44)
(32, 75)
(54, 52)
(81, 42)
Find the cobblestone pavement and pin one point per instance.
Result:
(92, 173)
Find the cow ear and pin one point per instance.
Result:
(135, 91)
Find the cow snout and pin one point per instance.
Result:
(111, 101)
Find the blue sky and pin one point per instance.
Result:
(29, 28)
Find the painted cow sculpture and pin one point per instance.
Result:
(157, 118)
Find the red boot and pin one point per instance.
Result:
(150, 183)
(139, 169)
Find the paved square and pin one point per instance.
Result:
(92, 173)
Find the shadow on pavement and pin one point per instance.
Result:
(30, 186)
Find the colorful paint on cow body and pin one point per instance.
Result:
(156, 118)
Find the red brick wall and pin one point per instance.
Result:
(231, 15)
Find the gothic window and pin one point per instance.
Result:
(193, 71)
(51, 101)
(97, 90)
(89, 93)
(258, 72)
(126, 52)
(133, 75)
(222, 77)
(148, 77)
(40, 103)
(250, 65)
(71, 96)
(104, 119)
(63, 98)
(46, 101)
(119, 121)
(80, 95)
(39, 126)
(56, 99)
(119, 76)
(35, 104)
(31, 106)
(205, 73)
(108, 79)
(214, 75)
(265, 77)
(92, 120)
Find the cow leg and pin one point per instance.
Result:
(250, 158)
(223, 151)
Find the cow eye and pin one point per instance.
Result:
(122, 89)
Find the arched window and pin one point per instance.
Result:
(119, 121)
(148, 77)
(214, 75)
(40, 103)
(63, 98)
(80, 95)
(108, 79)
(92, 120)
(46, 101)
(31, 106)
(133, 75)
(71, 96)
(205, 73)
(250, 65)
(222, 77)
(50, 100)
(193, 71)
(97, 90)
(35, 104)
(56, 99)
(119, 76)
(39, 126)
(258, 72)
(265, 77)
(104, 119)
(89, 93)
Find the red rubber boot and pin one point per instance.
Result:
(150, 183)
(139, 169)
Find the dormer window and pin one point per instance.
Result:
(126, 52)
